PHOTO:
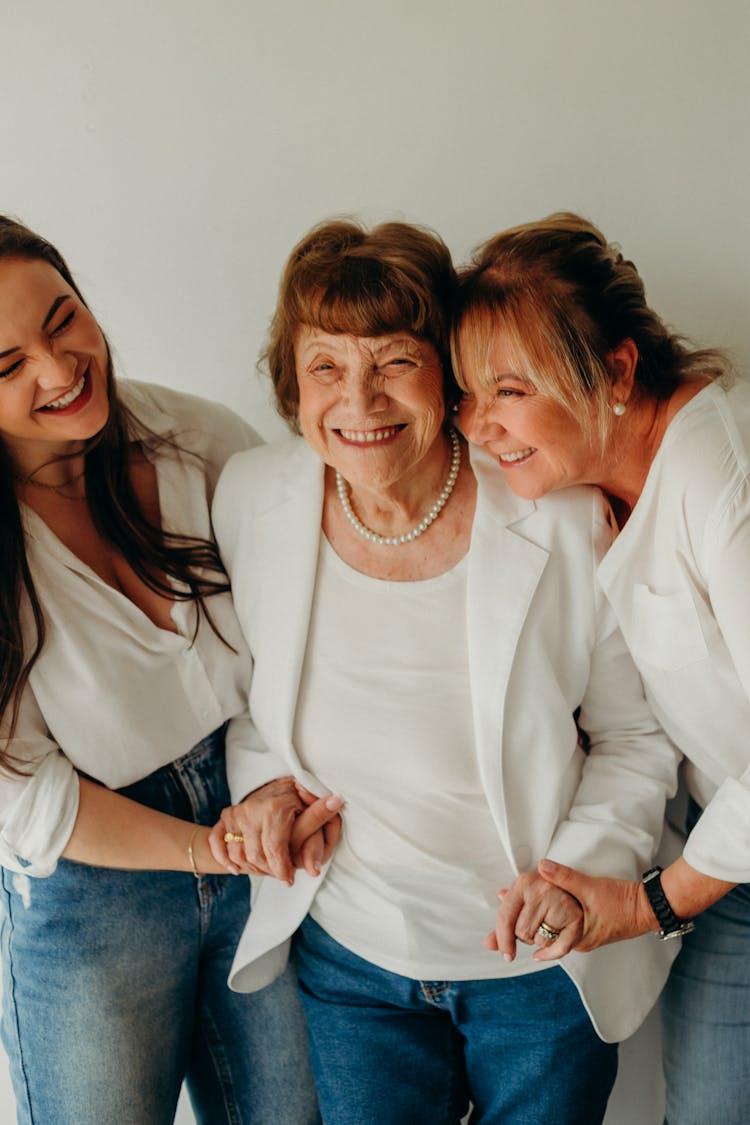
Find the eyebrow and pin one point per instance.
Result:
(499, 376)
(52, 310)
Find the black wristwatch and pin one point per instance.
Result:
(669, 924)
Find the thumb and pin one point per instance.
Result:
(314, 817)
(567, 878)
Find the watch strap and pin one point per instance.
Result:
(670, 926)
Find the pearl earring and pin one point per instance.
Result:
(619, 409)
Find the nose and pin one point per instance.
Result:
(362, 394)
(474, 421)
(56, 370)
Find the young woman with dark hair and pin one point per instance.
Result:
(121, 664)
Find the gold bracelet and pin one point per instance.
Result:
(191, 856)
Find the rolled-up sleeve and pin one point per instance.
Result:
(38, 806)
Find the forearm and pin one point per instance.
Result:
(689, 891)
(113, 831)
(619, 909)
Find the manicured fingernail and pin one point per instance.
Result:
(334, 803)
(547, 865)
(507, 957)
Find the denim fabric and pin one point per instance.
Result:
(706, 1016)
(388, 1050)
(114, 988)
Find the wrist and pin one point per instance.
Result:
(201, 859)
(670, 924)
(191, 850)
(645, 918)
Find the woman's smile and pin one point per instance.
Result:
(518, 456)
(367, 437)
(73, 400)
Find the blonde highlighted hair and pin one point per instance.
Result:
(565, 298)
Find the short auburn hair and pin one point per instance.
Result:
(342, 278)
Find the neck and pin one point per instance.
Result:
(42, 482)
(398, 505)
(635, 441)
(47, 466)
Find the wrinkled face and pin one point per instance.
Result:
(371, 407)
(53, 363)
(539, 445)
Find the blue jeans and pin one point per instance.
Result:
(706, 1016)
(114, 988)
(388, 1050)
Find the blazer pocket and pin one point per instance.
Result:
(666, 631)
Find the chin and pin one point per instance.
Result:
(527, 490)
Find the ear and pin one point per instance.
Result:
(622, 362)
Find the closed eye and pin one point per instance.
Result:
(322, 372)
(64, 324)
(399, 362)
(10, 370)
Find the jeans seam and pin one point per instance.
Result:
(453, 1107)
(184, 776)
(223, 1070)
(11, 1000)
(188, 776)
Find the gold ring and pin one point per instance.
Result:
(234, 838)
(548, 932)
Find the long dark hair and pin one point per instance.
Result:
(155, 556)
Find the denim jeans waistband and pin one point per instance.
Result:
(194, 787)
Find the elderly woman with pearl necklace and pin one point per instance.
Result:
(422, 640)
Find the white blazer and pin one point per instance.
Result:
(542, 642)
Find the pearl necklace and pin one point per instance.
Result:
(432, 515)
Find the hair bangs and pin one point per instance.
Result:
(472, 340)
(363, 298)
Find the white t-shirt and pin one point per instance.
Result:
(112, 695)
(384, 719)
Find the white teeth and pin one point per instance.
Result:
(366, 436)
(518, 455)
(66, 399)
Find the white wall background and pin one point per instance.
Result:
(175, 150)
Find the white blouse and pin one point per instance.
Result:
(678, 578)
(112, 695)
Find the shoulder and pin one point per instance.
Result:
(705, 456)
(260, 472)
(258, 480)
(197, 425)
(577, 527)
(572, 519)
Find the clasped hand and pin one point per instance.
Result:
(587, 911)
(524, 906)
(280, 827)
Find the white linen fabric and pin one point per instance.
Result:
(542, 641)
(112, 695)
(678, 578)
(384, 718)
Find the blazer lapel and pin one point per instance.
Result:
(504, 571)
(287, 538)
